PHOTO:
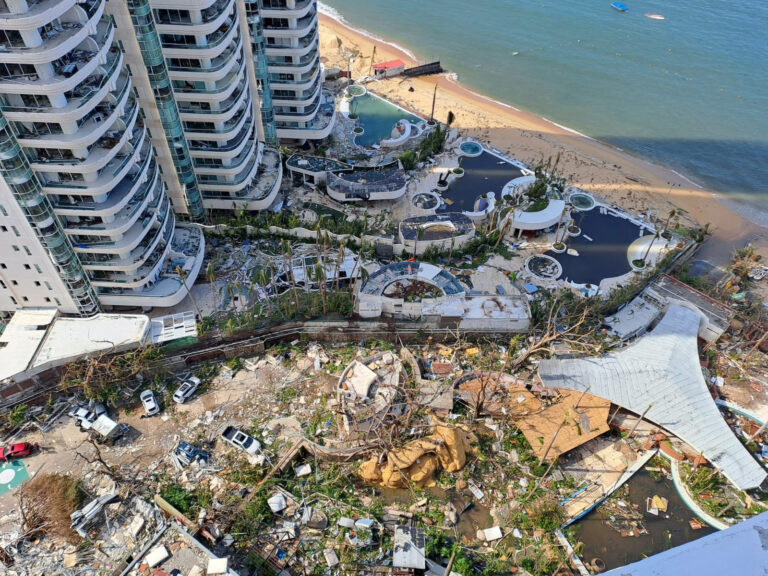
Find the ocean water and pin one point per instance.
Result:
(689, 92)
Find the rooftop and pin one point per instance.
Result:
(661, 374)
(37, 339)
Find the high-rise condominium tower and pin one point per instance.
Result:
(118, 115)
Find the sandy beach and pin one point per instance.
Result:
(631, 182)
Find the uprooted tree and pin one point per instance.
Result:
(99, 377)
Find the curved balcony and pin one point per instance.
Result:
(86, 97)
(300, 29)
(224, 88)
(136, 270)
(168, 289)
(304, 64)
(37, 15)
(236, 165)
(302, 83)
(212, 18)
(131, 177)
(218, 68)
(226, 131)
(97, 123)
(188, 4)
(103, 153)
(304, 116)
(215, 44)
(134, 246)
(56, 45)
(209, 183)
(191, 112)
(84, 61)
(121, 221)
(260, 194)
(306, 98)
(281, 9)
(203, 149)
(304, 46)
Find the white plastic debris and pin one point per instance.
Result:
(277, 502)
(303, 470)
(493, 533)
(157, 556)
(516, 533)
(330, 557)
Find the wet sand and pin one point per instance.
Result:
(631, 182)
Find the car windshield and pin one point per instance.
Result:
(247, 442)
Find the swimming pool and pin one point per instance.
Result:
(484, 173)
(602, 248)
(377, 117)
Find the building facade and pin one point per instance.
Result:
(120, 118)
(85, 218)
(302, 109)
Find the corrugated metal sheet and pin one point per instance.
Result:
(662, 371)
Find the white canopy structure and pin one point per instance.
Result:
(661, 374)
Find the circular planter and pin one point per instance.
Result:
(574, 231)
(458, 172)
(358, 130)
(431, 123)
(354, 91)
(442, 185)
(544, 267)
(638, 265)
(352, 116)
(559, 249)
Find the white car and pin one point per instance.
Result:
(85, 416)
(150, 403)
(186, 390)
(240, 439)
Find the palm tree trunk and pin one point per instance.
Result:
(183, 277)
(645, 257)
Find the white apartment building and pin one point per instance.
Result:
(118, 115)
(302, 109)
(85, 220)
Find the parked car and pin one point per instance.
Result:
(19, 450)
(85, 416)
(241, 440)
(148, 400)
(186, 390)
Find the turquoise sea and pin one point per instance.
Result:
(689, 92)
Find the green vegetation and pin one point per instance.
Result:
(409, 159)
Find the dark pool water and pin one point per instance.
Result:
(603, 257)
(602, 541)
(482, 174)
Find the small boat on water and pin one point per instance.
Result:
(655, 16)
(619, 6)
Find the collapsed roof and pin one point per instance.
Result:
(660, 373)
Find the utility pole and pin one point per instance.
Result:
(434, 97)
(373, 55)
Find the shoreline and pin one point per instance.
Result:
(632, 182)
